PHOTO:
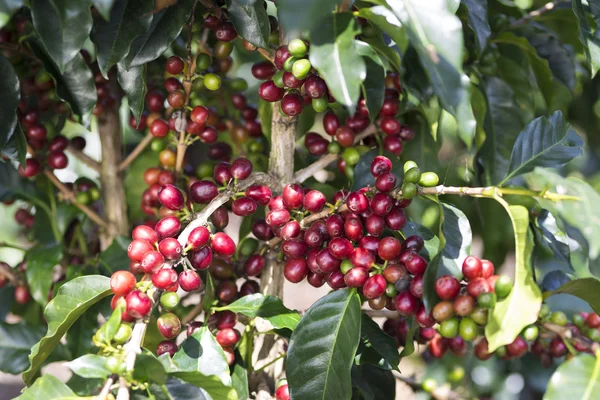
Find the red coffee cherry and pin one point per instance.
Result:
(222, 173)
(290, 230)
(423, 318)
(335, 225)
(227, 337)
(164, 278)
(557, 348)
(174, 65)
(356, 277)
(198, 237)
(374, 286)
(144, 232)
(138, 304)
(202, 258)
(58, 160)
(225, 32)
(222, 244)
(381, 204)
(380, 165)
(241, 168)
(395, 219)
(122, 282)
(270, 92)
(393, 144)
(171, 197)
(362, 258)
(345, 136)
(472, 268)
(227, 291)
(159, 128)
(254, 265)
(389, 248)
(357, 202)
(260, 194)
(189, 280)
(263, 70)
(385, 182)
(152, 261)
(447, 287)
(169, 325)
(170, 248)
(244, 206)
(168, 227)
(414, 243)
(203, 192)
(293, 196)
(478, 286)
(353, 229)
(137, 249)
(31, 169)
(517, 348)
(295, 270)
(487, 268)
(406, 304)
(292, 104)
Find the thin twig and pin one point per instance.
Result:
(12, 278)
(136, 152)
(193, 313)
(84, 158)
(266, 54)
(540, 11)
(106, 388)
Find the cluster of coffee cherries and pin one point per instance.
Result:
(22, 294)
(25, 218)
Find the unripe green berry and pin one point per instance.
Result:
(487, 300)
(83, 198)
(346, 266)
(115, 365)
(238, 84)
(479, 315)
(578, 320)
(297, 48)
(301, 68)
(456, 374)
(169, 300)
(123, 334)
(544, 311)
(95, 194)
(203, 61)
(278, 79)
(408, 165)
(334, 148)
(500, 351)
(593, 334)
(409, 190)
(413, 175)
(351, 156)
(204, 170)
(390, 290)
(320, 104)
(531, 333)
(212, 81)
(429, 385)
(289, 63)
(559, 318)
(256, 146)
(449, 328)
(503, 286)
(248, 247)
(159, 144)
(429, 179)
(349, 172)
(468, 329)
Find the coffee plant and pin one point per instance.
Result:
(169, 166)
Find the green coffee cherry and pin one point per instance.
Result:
(409, 190)
(456, 374)
(413, 175)
(578, 320)
(346, 266)
(500, 351)
(95, 194)
(203, 61)
(123, 334)
(83, 198)
(593, 334)
(248, 247)
(487, 300)
(334, 148)
(429, 179)
(479, 315)
(256, 146)
(204, 170)
(301, 68)
(169, 300)
(390, 290)
(349, 172)
(408, 165)
(351, 156)
(429, 385)
(297, 48)
(289, 63)
(212, 81)
(159, 144)
(238, 84)
(278, 79)
(559, 318)
(544, 311)
(531, 333)
(42, 77)
(468, 329)
(503, 286)
(115, 365)
(449, 328)
(320, 104)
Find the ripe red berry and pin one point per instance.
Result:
(152, 261)
(260, 194)
(315, 87)
(345, 136)
(58, 160)
(390, 126)
(169, 325)
(380, 165)
(406, 304)
(374, 286)
(225, 32)
(203, 191)
(295, 270)
(293, 196)
(389, 248)
(227, 337)
(166, 347)
(137, 249)
(314, 201)
(159, 128)
(122, 282)
(447, 287)
(241, 168)
(244, 206)
(189, 280)
(381, 204)
(487, 268)
(270, 92)
(292, 104)
(356, 277)
(263, 70)
(331, 123)
(198, 237)
(164, 278)
(170, 248)
(393, 144)
(174, 65)
(144, 232)
(357, 202)
(59, 143)
(557, 348)
(36, 132)
(202, 258)
(395, 219)
(222, 244)
(32, 168)
(472, 268)
(517, 348)
(138, 304)
(353, 229)
(168, 227)
(478, 286)
(171, 197)
(22, 295)
(282, 392)
(254, 265)
(362, 258)
(171, 84)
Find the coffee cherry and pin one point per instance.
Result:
(122, 282)
(159, 128)
(464, 305)
(293, 196)
(171, 197)
(36, 132)
(22, 295)
(168, 325)
(487, 300)
(472, 268)
(291, 104)
(137, 249)
(203, 192)
(395, 219)
(406, 304)
(478, 286)
(222, 244)
(212, 81)
(393, 144)
(389, 248)
(357, 202)
(517, 348)
(138, 304)
(345, 136)
(57, 160)
(449, 328)
(176, 99)
(443, 310)
(390, 125)
(241, 168)
(202, 258)
(356, 277)
(429, 179)
(168, 227)
(315, 87)
(268, 91)
(244, 206)
(353, 229)
(225, 32)
(447, 287)
(31, 169)
(487, 269)
(295, 270)
(123, 334)
(174, 65)
(198, 237)
(503, 286)
(414, 263)
(227, 291)
(169, 300)
(374, 287)
(222, 173)
(331, 123)
(166, 347)
(385, 182)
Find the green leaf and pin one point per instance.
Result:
(110, 328)
(48, 388)
(133, 83)
(89, 366)
(409, 342)
(522, 306)
(211, 387)
(114, 258)
(503, 123)
(576, 378)
(559, 59)
(478, 21)
(333, 52)
(149, 368)
(545, 142)
(373, 87)
(374, 383)
(40, 269)
(75, 85)
(13, 185)
(430, 297)
(239, 378)
(73, 299)
(250, 19)
(135, 184)
(201, 353)
(63, 26)
(16, 341)
(300, 16)
(582, 214)
(268, 307)
(587, 289)
(16, 147)
(209, 292)
(387, 22)
(458, 238)
(265, 115)
(7, 9)
(436, 34)
(322, 348)
(423, 149)
(103, 7)
(113, 38)
(165, 28)
(383, 344)
(590, 41)
(10, 95)
(432, 242)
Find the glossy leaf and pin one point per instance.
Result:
(385, 20)
(89, 366)
(63, 26)
(478, 21)
(545, 142)
(114, 258)
(10, 95)
(432, 242)
(16, 147)
(576, 378)
(75, 85)
(333, 53)
(322, 348)
(373, 86)
(436, 34)
(590, 41)
(374, 337)
(113, 38)
(73, 299)
(502, 126)
(250, 19)
(149, 368)
(423, 149)
(48, 387)
(40, 270)
(409, 342)
(559, 59)
(133, 83)
(103, 7)
(211, 387)
(16, 341)
(13, 186)
(300, 16)
(458, 236)
(587, 289)
(521, 307)
(165, 28)
(373, 383)
(268, 307)
(239, 378)
(582, 214)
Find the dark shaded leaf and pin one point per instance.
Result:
(300, 16)
(89, 366)
(423, 149)
(16, 147)
(209, 292)
(560, 61)
(334, 54)
(13, 185)
(40, 269)
(409, 342)
(250, 19)
(165, 27)
(270, 308)
(322, 348)
(576, 378)
(590, 41)
(16, 341)
(587, 289)
(113, 38)
(103, 7)
(386, 21)
(148, 368)
(10, 95)
(458, 236)
(545, 142)
(114, 258)
(432, 242)
(8, 8)
(63, 26)
(374, 383)
(133, 83)
(375, 338)
(373, 87)
(478, 21)
(73, 299)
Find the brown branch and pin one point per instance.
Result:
(540, 11)
(12, 278)
(193, 313)
(84, 158)
(136, 152)
(266, 54)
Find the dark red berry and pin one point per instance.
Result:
(447, 287)
(170, 248)
(138, 304)
(189, 280)
(270, 92)
(174, 65)
(203, 191)
(222, 244)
